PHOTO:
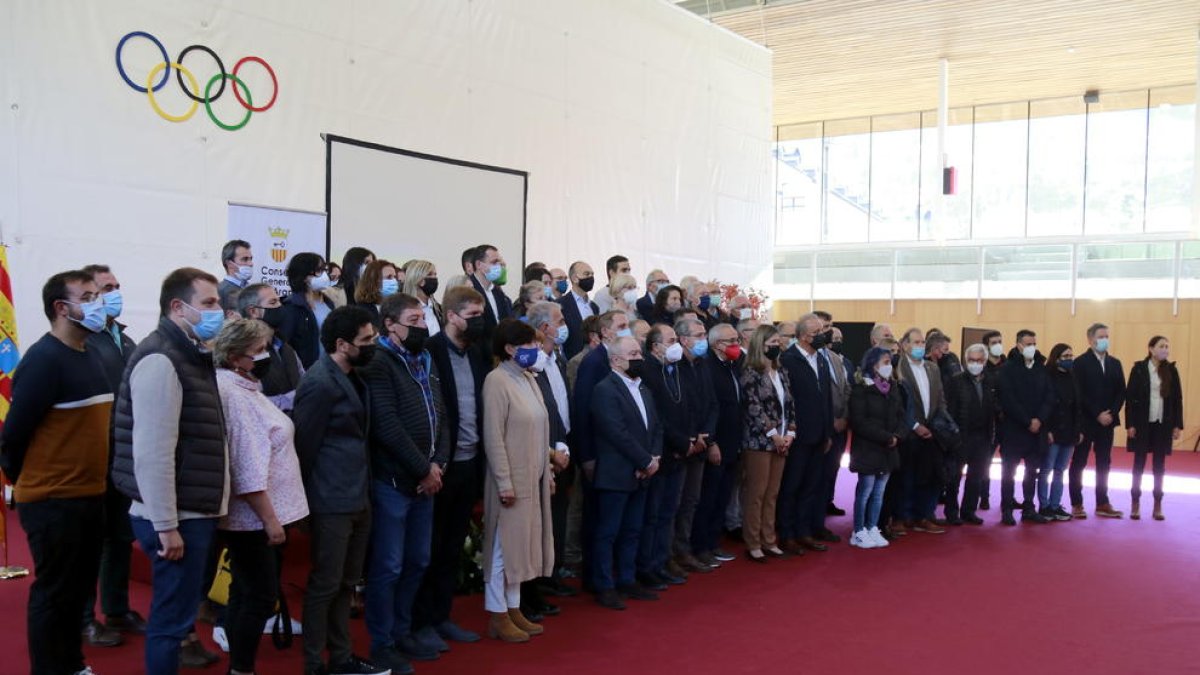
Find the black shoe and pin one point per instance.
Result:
(985, 504)
(429, 637)
(651, 581)
(734, 534)
(531, 613)
(554, 586)
(356, 666)
(97, 635)
(954, 521)
(455, 633)
(1031, 516)
(671, 579)
(1060, 514)
(609, 599)
(972, 519)
(636, 591)
(827, 536)
(393, 660)
(540, 606)
(129, 622)
(832, 509)
(414, 650)
(1007, 518)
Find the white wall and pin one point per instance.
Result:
(645, 129)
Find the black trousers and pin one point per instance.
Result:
(979, 452)
(115, 554)
(1158, 445)
(65, 536)
(254, 567)
(1011, 456)
(452, 508)
(338, 551)
(560, 503)
(1100, 441)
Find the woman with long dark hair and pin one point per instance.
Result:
(305, 308)
(1153, 418)
(354, 263)
(1063, 432)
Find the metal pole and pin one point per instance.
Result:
(1178, 271)
(1074, 274)
(1196, 153)
(892, 293)
(939, 231)
(979, 284)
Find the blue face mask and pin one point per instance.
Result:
(561, 286)
(94, 316)
(493, 273)
(700, 348)
(918, 353)
(703, 303)
(113, 303)
(209, 324)
(563, 334)
(1066, 364)
(624, 332)
(1102, 345)
(389, 287)
(526, 357)
(549, 293)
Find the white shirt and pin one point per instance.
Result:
(812, 361)
(559, 387)
(487, 287)
(431, 319)
(584, 305)
(922, 380)
(783, 422)
(603, 300)
(1156, 401)
(633, 385)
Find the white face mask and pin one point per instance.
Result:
(1029, 352)
(974, 368)
(996, 350)
(745, 313)
(885, 371)
(674, 353)
(631, 296)
(542, 361)
(319, 283)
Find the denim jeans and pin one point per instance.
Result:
(868, 500)
(1058, 457)
(178, 587)
(401, 533)
(662, 503)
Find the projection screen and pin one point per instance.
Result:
(408, 205)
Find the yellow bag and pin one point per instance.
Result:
(219, 593)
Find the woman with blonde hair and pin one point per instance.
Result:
(377, 282)
(623, 289)
(421, 282)
(769, 416)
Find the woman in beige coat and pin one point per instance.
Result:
(518, 540)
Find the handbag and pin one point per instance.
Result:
(945, 431)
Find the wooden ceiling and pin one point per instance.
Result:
(837, 59)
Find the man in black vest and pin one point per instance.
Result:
(1101, 381)
(261, 302)
(171, 457)
(111, 348)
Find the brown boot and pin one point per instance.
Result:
(1135, 510)
(501, 627)
(524, 624)
(1158, 514)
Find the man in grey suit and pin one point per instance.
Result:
(923, 463)
(332, 416)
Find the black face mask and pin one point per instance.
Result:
(415, 342)
(587, 284)
(475, 328)
(429, 286)
(365, 354)
(835, 347)
(273, 317)
(634, 371)
(261, 368)
(820, 340)
(771, 353)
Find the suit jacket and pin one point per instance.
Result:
(814, 407)
(937, 400)
(332, 417)
(1137, 405)
(645, 308)
(1099, 390)
(842, 383)
(503, 304)
(762, 410)
(439, 347)
(299, 327)
(975, 416)
(574, 320)
(624, 444)
(228, 291)
(112, 359)
(1025, 394)
(558, 432)
(702, 402)
(592, 370)
(674, 406)
(727, 392)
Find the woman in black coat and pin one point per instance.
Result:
(879, 422)
(1063, 432)
(305, 308)
(1153, 418)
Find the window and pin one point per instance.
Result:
(1171, 144)
(854, 274)
(1116, 164)
(1027, 271)
(1001, 140)
(955, 222)
(798, 171)
(937, 272)
(1057, 138)
(1126, 271)
(847, 181)
(895, 177)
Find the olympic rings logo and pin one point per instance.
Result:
(240, 91)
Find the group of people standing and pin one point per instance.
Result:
(613, 436)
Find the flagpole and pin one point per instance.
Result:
(8, 362)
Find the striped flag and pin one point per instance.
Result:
(8, 363)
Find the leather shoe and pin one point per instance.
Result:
(761, 558)
(1007, 518)
(651, 581)
(828, 537)
(954, 521)
(413, 649)
(452, 631)
(673, 569)
(531, 614)
(708, 559)
(671, 579)
(832, 509)
(793, 547)
(129, 622)
(636, 591)
(689, 563)
(429, 637)
(98, 635)
(985, 504)
(812, 544)
(972, 519)
(554, 586)
(928, 527)
(610, 599)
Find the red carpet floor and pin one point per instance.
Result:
(1095, 597)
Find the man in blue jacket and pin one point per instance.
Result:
(1101, 383)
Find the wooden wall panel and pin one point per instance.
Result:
(1131, 322)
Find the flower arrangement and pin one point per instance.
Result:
(758, 299)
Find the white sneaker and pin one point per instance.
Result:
(862, 540)
(87, 670)
(221, 638)
(877, 536)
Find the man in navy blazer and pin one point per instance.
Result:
(489, 272)
(1101, 385)
(628, 444)
(576, 306)
(655, 281)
